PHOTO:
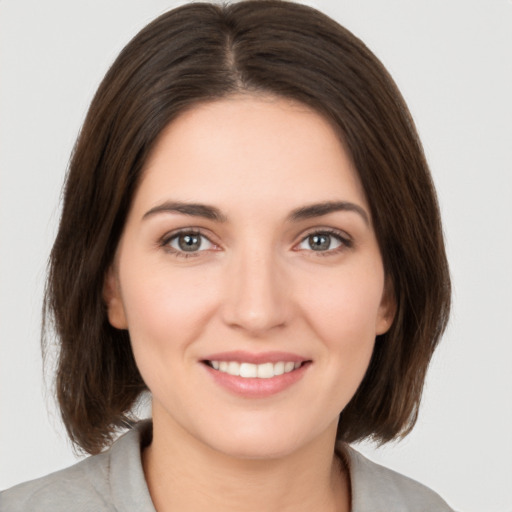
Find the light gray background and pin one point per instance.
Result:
(452, 60)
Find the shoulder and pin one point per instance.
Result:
(110, 481)
(85, 483)
(379, 489)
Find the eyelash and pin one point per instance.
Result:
(345, 242)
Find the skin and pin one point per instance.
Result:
(256, 285)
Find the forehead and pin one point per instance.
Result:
(266, 149)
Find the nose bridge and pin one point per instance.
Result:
(256, 293)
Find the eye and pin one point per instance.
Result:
(187, 242)
(324, 241)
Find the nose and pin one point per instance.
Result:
(257, 296)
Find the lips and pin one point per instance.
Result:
(256, 375)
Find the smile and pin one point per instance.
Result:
(251, 371)
(256, 375)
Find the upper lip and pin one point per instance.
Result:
(256, 358)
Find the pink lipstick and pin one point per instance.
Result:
(256, 375)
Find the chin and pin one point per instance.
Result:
(260, 448)
(262, 442)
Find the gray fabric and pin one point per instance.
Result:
(379, 489)
(114, 481)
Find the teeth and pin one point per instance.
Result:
(249, 370)
(279, 368)
(265, 371)
(288, 367)
(233, 368)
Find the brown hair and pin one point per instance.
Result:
(201, 52)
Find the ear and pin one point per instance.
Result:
(113, 300)
(387, 309)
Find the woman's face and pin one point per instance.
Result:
(249, 277)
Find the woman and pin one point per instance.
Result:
(250, 232)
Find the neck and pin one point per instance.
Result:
(186, 475)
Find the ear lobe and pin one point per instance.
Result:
(387, 310)
(113, 302)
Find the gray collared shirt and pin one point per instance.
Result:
(114, 481)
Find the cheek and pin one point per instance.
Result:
(344, 317)
(345, 308)
(166, 313)
(165, 308)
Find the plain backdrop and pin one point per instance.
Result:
(452, 59)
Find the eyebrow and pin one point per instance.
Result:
(319, 209)
(213, 213)
(192, 209)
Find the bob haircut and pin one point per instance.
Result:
(202, 52)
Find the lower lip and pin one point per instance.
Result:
(254, 387)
